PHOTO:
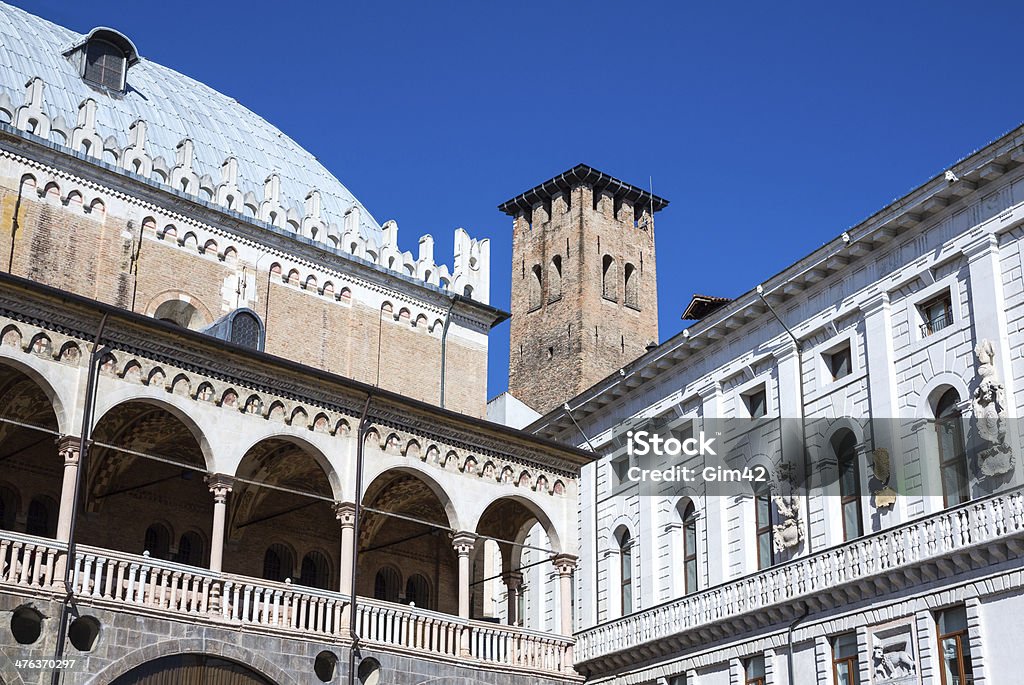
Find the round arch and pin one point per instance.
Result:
(166, 306)
(36, 370)
(229, 651)
(175, 405)
(455, 520)
(935, 388)
(535, 510)
(300, 443)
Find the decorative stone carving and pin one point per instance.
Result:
(881, 467)
(994, 455)
(787, 533)
(893, 662)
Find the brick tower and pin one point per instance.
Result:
(584, 296)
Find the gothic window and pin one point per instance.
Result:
(753, 671)
(417, 591)
(315, 571)
(245, 330)
(763, 528)
(158, 541)
(555, 279)
(954, 647)
(844, 445)
(104, 64)
(609, 278)
(626, 572)
(632, 285)
(385, 584)
(190, 549)
(40, 518)
(277, 563)
(844, 659)
(949, 429)
(534, 286)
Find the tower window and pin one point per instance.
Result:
(608, 279)
(632, 287)
(104, 64)
(555, 279)
(535, 291)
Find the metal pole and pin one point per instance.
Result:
(361, 438)
(83, 448)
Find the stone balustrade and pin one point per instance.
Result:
(948, 533)
(33, 566)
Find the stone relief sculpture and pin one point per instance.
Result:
(881, 468)
(787, 533)
(893, 663)
(994, 455)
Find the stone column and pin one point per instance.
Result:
(513, 582)
(565, 564)
(463, 543)
(346, 514)
(220, 486)
(67, 447)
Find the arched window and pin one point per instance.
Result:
(763, 527)
(385, 584)
(417, 591)
(104, 64)
(534, 286)
(555, 279)
(190, 549)
(632, 284)
(277, 563)
(41, 520)
(609, 277)
(245, 330)
(626, 572)
(949, 428)
(8, 508)
(689, 519)
(844, 445)
(315, 571)
(158, 542)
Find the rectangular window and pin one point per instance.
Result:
(936, 314)
(954, 647)
(839, 362)
(754, 671)
(844, 659)
(756, 402)
(763, 518)
(626, 572)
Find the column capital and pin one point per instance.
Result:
(345, 512)
(68, 447)
(565, 563)
(513, 580)
(463, 542)
(220, 485)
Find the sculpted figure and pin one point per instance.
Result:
(787, 533)
(892, 664)
(995, 457)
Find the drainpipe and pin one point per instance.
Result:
(364, 424)
(803, 419)
(444, 345)
(83, 449)
(789, 638)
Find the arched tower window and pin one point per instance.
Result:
(949, 428)
(689, 519)
(417, 591)
(626, 572)
(534, 286)
(315, 571)
(158, 541)
(609, 278)
(555, 279)
(844, 445)
(385, 584)
(632, 286)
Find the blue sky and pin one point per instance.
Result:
(771, 127)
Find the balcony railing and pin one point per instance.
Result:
(954, 530)
(120, 581)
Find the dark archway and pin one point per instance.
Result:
(135, 503)
(275, 532)
(392, 550)
(31, 468)
(192, 668)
